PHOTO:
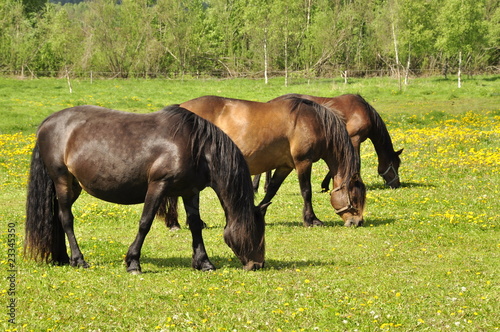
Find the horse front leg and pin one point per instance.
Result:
(255, 182)
(325, 184)
(268, 179)
(151, 205)
(304, 174)
(277, 179)
(196, 225)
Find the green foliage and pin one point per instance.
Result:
(239, 38)
(33, 7)
(461, 26)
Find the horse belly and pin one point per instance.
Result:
(120, 193)
(268, 158)
(109, 179)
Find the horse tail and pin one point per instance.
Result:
(168, 212)
(45, 237)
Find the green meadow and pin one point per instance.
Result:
(427, 258)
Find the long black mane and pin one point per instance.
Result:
(229, 174)
(227, 169)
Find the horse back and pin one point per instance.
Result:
(262, 131)
(353, 109)
(113, 155)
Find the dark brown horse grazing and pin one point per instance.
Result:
(130, 158)
(287, 134)
(362, 122)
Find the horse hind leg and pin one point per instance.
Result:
(67, 193)
(152, 203)
(255, 182)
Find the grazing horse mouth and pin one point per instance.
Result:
(253, 266)
(396, 175)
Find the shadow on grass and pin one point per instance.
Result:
(377, 222)
(381, 186)
(371, 222)
(169, 262)
(273, 264)
(222, 262)
(403, 186)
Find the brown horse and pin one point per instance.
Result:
(130, 158)
(362, 122)
(288, 134)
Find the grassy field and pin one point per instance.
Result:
(427, 259)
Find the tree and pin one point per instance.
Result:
(461, 29)
(33, 7)
(20, 42)
(417, 31)
(179, 31)
(119, 35)
(493, 37)
(256, 23)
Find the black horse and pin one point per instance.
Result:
(128, 158)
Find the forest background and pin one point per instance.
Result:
(249, 38)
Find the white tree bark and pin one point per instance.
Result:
(459, 69)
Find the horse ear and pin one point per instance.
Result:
(399, 152)
(263, 207)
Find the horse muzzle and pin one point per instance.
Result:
(353, 221)
(253, 266)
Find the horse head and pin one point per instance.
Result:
(389, 170)
(348, 200)
(249, 244)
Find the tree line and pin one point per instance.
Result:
(231, 38)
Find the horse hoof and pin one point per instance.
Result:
(206, 266)
(135, 272)
(79, 263)
(314, 223)
(318, 223)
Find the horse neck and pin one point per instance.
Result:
(384, 149)
(380, 137)
(343, 163)
(229, 175)
(342, 158)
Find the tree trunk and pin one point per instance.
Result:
(407, 71)
(398, 72)
(286, 59)
(459, 69)
(265, 57)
